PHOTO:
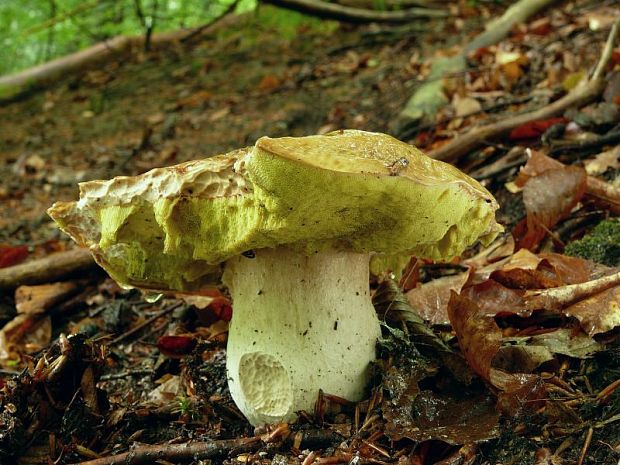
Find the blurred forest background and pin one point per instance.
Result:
(35, 31)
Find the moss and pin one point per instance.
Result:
(601, 245)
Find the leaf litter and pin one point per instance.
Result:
(511, 353)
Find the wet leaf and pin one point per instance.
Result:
(423, 415)
(519, 393)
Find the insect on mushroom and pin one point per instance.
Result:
(310, 210)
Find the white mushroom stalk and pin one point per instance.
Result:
(300, 324)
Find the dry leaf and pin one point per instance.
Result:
(599, 313)
(548, 198)
(430, 300)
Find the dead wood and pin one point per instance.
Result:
(48, 269)
(185, 451)
(478, 136)
(312, 439)
(579, 96)
(429, 97)
(20, 83)
(357, 15)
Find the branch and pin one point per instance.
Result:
(579, 96)
(47, 269)
(478, 136)
(324, 9)
(429, 97)
(178, 452)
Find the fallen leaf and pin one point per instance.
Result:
(176, 346)
(599, 313)
(520, 393)
(534, 129)
(430, 300)
(269, 82)
(465, 106)
(526, 270)
(478, 335)
(12, 255)
(423, 415)
(548, 198)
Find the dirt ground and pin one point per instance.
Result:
(118, 382)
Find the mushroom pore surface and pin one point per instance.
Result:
(300, 323)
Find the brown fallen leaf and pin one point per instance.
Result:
(548, 198)
(519, 392)
(478, 335)
(526, 270)
(466, 420)
(430, 300)
(599, 313)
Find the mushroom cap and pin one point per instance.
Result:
(171, 228)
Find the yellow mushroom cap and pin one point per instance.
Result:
(171, 228)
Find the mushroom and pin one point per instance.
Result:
(291, 222)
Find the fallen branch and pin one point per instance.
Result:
(311, 439)
(429, 97)
(579, 96)
(178, 452)
(48, 269)
(20, 83)
(324, 9)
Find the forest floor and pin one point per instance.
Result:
(90, 370)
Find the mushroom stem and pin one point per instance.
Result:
(300, 324)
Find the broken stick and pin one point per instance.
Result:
(48, 269)
(579, 96)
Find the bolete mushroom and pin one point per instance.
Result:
(292, 222)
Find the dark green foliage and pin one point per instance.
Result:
(601, 245)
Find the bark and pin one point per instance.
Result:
(357, 15)
(429, 97)
(48, 269)
(581, 95)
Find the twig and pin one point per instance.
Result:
(145, 323)
(586, 446)
(178, 452)
(581, 95)
(324, 9)
(607, 51)
(125, 374)
(48, 269)
(612, 137)
(200, 29)
(604, 395)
